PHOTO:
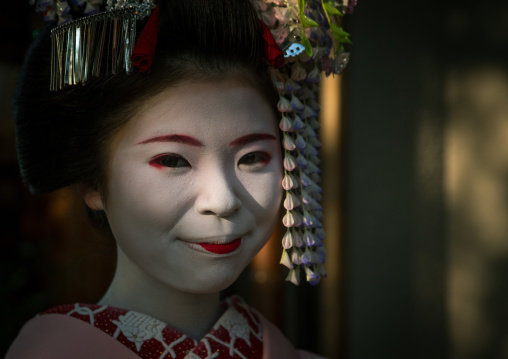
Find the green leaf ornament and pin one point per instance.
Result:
(330, 9)
(307, 22)
(340, 35)
(301, 6)
(306, 44)
(304, 20)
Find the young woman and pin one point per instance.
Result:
(180, 160)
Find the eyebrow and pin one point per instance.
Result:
(188, 140)
(252, 138)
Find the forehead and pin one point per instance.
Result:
(222, 109)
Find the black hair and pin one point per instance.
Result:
(62, 137)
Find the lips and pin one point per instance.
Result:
(221, 248)
(216, 245)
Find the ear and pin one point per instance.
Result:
(91, 195)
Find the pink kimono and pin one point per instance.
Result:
(95, 331)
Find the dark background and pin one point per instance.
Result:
(425, 179)
(426, 175)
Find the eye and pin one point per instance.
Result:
(169, 160)
(255, 158)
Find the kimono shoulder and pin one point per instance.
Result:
(275, 344)
(92, 331)
(59, 336)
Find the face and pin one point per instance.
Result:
(194, 185)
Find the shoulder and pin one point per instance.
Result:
(275, 344)
(61, 336)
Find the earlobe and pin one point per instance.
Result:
(91, 196)
(93, 200)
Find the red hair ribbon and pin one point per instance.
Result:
(144, 51)
(273, 52)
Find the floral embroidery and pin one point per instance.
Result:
(138, 328)
(237, 333)
(236, 324)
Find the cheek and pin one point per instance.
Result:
(139, 196)
(266, 193)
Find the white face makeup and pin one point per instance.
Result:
(194, 185)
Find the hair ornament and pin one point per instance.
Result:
(272, 51)
(144, 51)
(80, 46)
(309, 34)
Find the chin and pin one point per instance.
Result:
(210, 280)
(207, 286)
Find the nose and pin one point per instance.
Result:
(217, 195)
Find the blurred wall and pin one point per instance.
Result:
(427, 180)
(425, 235)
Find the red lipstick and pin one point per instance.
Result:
(221, 248)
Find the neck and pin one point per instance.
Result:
(189, 313)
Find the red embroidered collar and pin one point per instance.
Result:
(237, 333)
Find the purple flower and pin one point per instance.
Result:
(307, 94)
(315, 105)
(312, 277)
(320, 234)
(313, 36)
(300, 142)
(305, 180)
(309, 238)
(50, 15)
(301, 161)
(321, 252)
(292, 86)
(314, 123)
(315, 159)
(298, 124)
(314, 188)
(315, 177)
(308, 220)
(313, 168)
(297, 105)
(315, 142)
(308, 111)
(306, 197)
(317, 258)
(43, 5)
(311, 150)
(91, 9)
(307, 257)
(309, 130)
